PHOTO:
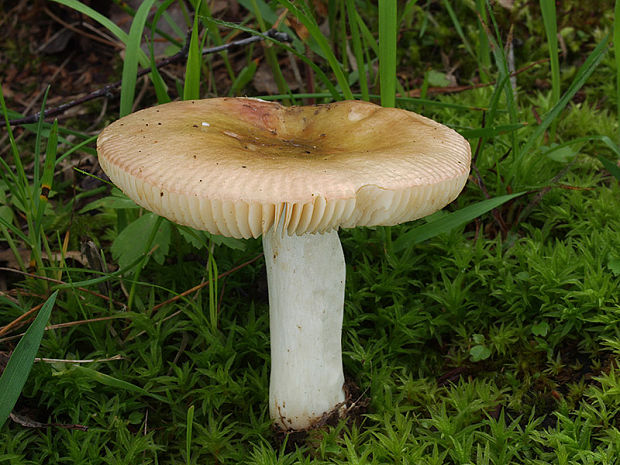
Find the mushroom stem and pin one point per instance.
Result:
(306, 276)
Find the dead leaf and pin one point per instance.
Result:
(30, 423)
(508, 4)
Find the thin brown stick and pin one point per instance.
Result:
(71, 27)
(205, 283)
(70, 324)
(110, 88)
(17, 320)
(58, 281)
(456, 89)
(153, 310)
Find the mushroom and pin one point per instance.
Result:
(243, 168)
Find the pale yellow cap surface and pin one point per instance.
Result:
(235, 166)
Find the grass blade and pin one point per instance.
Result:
(214, 33)
(115, 383)
(491, 131)
(191, 88)
(484, 49)
(161, 90)
(271, 18)
(584, 72)
(188, 434)
(503, 77)
(132, 55)
(270, 55)
(357, 49)
(387, 51)
(306, 18)
(617, 55)
(22, 180)
(551, 29)
(610, 166)
(41, 197)
(458, 28)
(105, 22)
(15, 231)
(243, 78)
(17, 369)
(450, 221)
(319, 72)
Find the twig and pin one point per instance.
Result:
(58, 281)
(66, 360)
(205, 283)
(17, 320)
(538, 197)
(181, 54)
(30, 423)
(70, 324)
(72, 27)
(478, 180)
(111, 317)
(193, 289)
(456, 89)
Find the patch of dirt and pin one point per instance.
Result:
(352, 411)
(45, 43)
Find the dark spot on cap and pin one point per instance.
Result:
(161, 194)
(194, 157)
(243, 166)
(159, 124)
(194, 125)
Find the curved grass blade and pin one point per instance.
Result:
(319, 72)
(610, 166)
(357, 48)
(270, 55)
(270, 17)
(457, 27)
(191, 88)
(105, 22)
(17, 369)
(306, 18)
(387, 51)
(548, 10)
(115, 383)
(450, 221)
(132, 54)
(491, 131)
(617, 55)
(583, 73)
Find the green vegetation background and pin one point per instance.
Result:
(484, 337)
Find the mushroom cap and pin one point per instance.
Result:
(237, 166)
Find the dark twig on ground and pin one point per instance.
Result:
(180, 55)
